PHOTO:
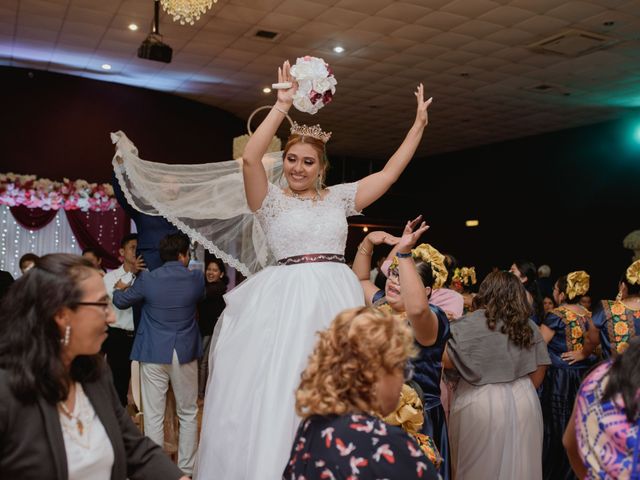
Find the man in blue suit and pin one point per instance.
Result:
(167, 343)
(151, 228)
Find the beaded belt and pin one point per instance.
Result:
(312, 258)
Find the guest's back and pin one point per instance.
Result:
(355, 446)
(169, 297)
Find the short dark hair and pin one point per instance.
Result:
(128, 238)
(27, 257)
(30, 348)
(91, 250)
(173, 245)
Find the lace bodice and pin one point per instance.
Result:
(298, 227)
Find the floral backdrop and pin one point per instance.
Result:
(33, 192)
(91, 211)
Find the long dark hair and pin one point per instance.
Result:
(30, 339)
(503, 297)
(528, 269)
(624, 380)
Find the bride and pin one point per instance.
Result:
(268, 327)
(271, 319)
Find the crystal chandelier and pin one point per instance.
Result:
(186, 11)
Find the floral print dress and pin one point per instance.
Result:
(355, 447)
(618, 324)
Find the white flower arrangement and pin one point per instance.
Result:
(316, 84)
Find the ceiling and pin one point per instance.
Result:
(473, 56)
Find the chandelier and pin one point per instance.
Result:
(186, 11)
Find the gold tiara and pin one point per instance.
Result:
(314, 132)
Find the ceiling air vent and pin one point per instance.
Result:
(573, 43)
(549, 89)
(266, 34)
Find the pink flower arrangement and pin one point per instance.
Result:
(47, 194)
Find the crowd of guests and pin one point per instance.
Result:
(511, 378)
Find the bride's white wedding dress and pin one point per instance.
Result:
(268, 331)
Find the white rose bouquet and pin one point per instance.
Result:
(316, 84)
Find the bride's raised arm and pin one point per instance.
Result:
(255, 178)
(373, 186)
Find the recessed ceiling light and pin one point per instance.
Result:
(106, 66)
(338, 49)
(365, 229)
(133, 27)
(472, 223)
(266, 90)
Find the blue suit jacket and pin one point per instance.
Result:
(151, 229)
(169, 297)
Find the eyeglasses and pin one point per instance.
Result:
(106, 306)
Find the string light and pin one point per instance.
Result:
(15, 240)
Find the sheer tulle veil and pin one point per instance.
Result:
(205, 201)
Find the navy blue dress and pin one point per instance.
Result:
(618, 324)
(428, 372)
(560, 387)
(355, 447)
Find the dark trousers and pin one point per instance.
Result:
(117, 348)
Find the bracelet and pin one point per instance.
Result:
(364, 251)
(404, 255)
(280, 110)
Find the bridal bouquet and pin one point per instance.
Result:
(316, 84)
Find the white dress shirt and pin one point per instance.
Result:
(124, 318)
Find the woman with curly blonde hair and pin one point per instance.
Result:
(354, 376)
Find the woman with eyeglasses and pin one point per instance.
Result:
(413, 274)
(60, 416)
(497, 358)
(354, 377)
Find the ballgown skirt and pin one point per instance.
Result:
(495, 431)
(268, 331)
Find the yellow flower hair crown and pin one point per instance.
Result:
(577, 284)
(633, 273)
(465, 275)
(433, 257)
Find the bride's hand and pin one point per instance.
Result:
(422, 116)
(285, 97)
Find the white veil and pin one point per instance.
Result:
(206, 201)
